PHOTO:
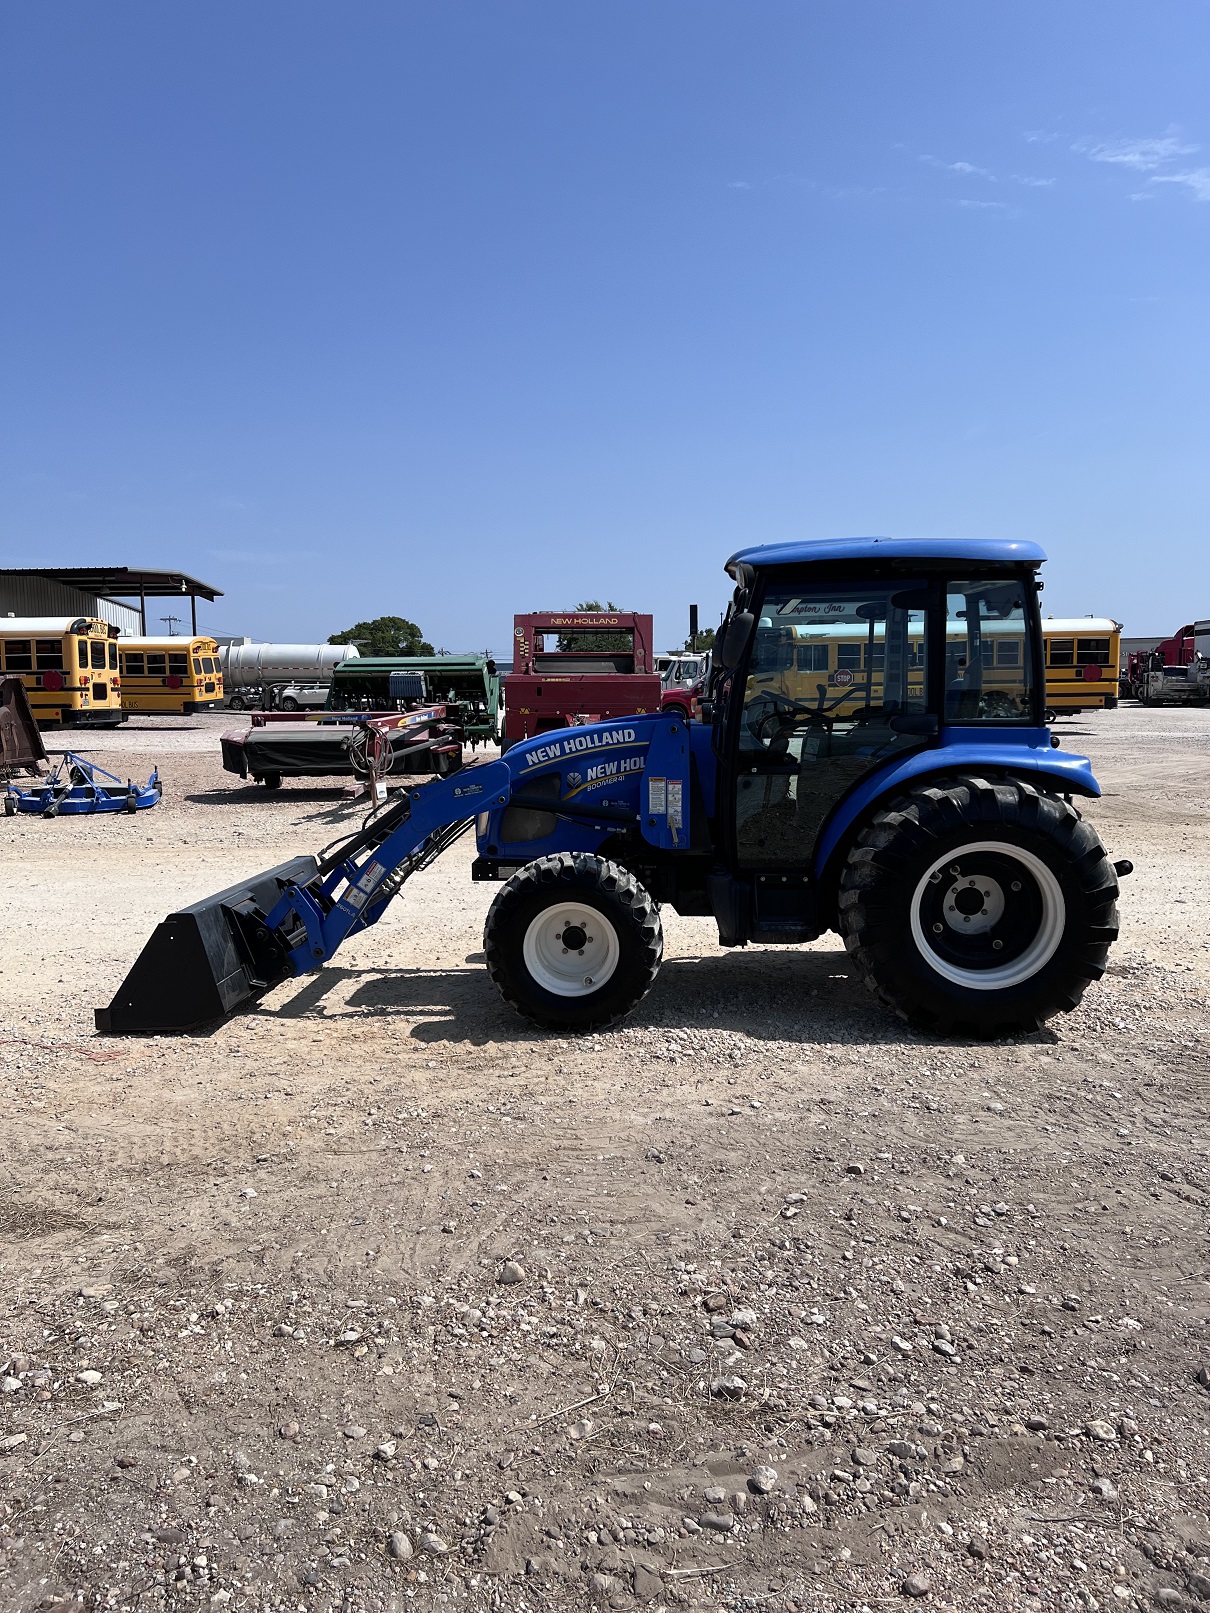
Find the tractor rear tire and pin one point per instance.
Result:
(979, 908)
(573, 941)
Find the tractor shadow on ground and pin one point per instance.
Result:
(804, 997)
(334, 808)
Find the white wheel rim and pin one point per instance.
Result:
(1027, 963)
(571, 970)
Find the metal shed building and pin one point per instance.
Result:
(117, 594)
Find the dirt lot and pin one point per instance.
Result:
(809, 1312)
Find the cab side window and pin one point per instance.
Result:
(835, 685)
(988, 670)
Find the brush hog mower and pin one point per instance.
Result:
(850, 772)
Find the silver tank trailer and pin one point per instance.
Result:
(259, 666)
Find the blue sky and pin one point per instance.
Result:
(459, 310)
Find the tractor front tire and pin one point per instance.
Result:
(573, 941)
(979, 908)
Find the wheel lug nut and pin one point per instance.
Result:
(997, 945)
(1016, 884)
(937, 928)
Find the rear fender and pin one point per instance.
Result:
(1061, 771)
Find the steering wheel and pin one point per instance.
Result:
(769, 707)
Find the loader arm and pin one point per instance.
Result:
(217, 955)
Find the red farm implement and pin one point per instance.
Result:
(573, 667)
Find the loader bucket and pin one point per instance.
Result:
(207, 960)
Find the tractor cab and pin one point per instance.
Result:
(839, 660)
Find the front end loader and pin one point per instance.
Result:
(873, 759)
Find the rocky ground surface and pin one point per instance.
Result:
(376, 1298)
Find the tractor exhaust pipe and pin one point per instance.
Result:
(207, 960)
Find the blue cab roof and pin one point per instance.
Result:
(996, 551)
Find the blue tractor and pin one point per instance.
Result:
(873, 760)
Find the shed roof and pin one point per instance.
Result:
(120, 580)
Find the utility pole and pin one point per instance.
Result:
(693, 627)
(171, 621)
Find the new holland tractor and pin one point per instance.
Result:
(863, 765)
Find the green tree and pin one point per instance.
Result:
(385, 635)
(607, 643)
(699, 643)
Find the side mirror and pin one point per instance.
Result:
(735, 640)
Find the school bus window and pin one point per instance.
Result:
(17, 657)
(98, 655)
(82, 647)
(156, 664)
(49, 654)
(113, 657)
(178, 665)
(134, 663)
(812, 657)
(1092, 652)
(1062, 652)
(848, 657)
(879, 656)
(209, 665)
(916, 654)
(1008, 652)
(197, 666)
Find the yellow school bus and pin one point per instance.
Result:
(69, 666)
(170, 675)
(839, 665)
(1082, 657)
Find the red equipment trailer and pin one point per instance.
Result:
(574, 667)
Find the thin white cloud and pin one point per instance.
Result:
(967, 170)
(993, 207)
(1195, 179)
(1028, 179)
(1141, 155)
(738, 184)
(1040, 137)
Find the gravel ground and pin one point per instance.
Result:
(375, 1297)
